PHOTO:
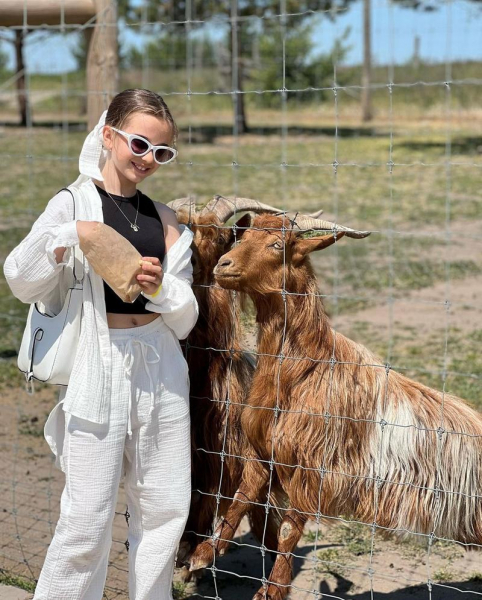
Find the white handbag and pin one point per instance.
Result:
(49, 344)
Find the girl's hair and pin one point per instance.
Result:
(138, 100)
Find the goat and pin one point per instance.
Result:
(220, 377)
(346, 434)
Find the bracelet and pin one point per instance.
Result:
(158, 290)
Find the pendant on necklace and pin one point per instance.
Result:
(134, 227)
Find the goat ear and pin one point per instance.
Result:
(305, 246)
(241, 225)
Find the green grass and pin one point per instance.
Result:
(30, 426)
(355, 538)
(363, 272)
(422, 359)
(445, 574)
(17, 581)
(179, 590)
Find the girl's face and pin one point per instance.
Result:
(136, 168)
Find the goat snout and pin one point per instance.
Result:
(224, 265)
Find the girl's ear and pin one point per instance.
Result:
(107, 137)
(302, 247)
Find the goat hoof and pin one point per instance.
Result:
(202, 557)
(185, 574)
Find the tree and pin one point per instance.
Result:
(18, 42)
(169, 50)
(200, 10)
(367, 63)
(302, 68)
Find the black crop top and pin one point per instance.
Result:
(149, 240)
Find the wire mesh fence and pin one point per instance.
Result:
(368, 484)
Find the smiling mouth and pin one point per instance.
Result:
(139, 169)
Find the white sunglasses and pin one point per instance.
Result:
(139, 146)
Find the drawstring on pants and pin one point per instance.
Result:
(128, 362)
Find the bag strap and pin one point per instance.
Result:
(78, 254)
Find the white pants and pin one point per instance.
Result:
(148, 438)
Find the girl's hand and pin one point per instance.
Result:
(151, 277)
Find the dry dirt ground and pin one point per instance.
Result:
(342, 561)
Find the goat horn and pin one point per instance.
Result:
(308, 222)
(188, 204)
(224, 208)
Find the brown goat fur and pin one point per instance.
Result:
(219, 369)
(351, 436)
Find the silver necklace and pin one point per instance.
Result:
(134, 225)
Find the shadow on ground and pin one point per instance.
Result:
(238, 575)
(462, 145)
(207, 134)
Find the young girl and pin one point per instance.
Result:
(126, 408)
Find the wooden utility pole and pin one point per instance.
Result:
(241, 125)
(102, 61)
(23, 103)
(367, 63)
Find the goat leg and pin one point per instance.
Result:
(282, 572)
(255, 476)
(224, 533)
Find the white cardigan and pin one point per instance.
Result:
(34, 275)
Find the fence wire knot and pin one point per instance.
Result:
(440, 433)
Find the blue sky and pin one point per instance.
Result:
(453, 32)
